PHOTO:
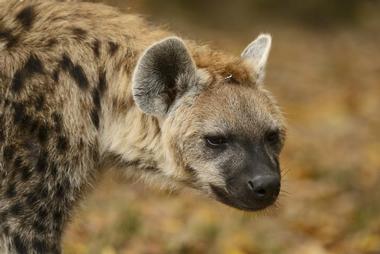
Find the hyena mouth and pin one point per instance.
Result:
(244, 201)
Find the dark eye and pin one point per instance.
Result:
(216, 141)
(273, 137)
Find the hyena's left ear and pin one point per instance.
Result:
(164, 72)
(257, 52)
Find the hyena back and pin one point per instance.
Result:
(84, 87)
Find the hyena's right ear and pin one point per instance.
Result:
(163, 73)
(256, 54)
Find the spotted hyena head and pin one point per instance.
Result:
(222, 131)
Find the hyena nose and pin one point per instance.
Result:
(265, 188)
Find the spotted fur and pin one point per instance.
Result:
(67, 110)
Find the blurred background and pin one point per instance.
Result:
(324, 70)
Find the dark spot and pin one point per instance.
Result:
(8, 152)
(38, 224)
(61, 188)
(25, 123)
(40, 102)
(41, 165)
(20, 116)
(3, 216)
(19, 245)
(2, 134)
(96, 99)
(79, 33)
(18, 163)
(60, 192)
(34, 65)
(31, 67)
(9, 37)
(95, 118)
(42, 213)
(96, 48)
(56, 75)
(19, 112)
(66, 63)
(43, 134)
(2, 126)
(25, 173)
(15, 209)
(26, 17)
(53, 170)
(34, 125)
(58, 220)
(11, 191)
(39, 227)
(75, 71)
(113, 48)
(51, 42)
(62, 144)
(79, 76)
(18, 80)
(5, 34)
(102, 85)
(40, 246)
(58, 217)
(12, 42)
(57, 118)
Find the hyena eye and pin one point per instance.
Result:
(273, 137)
(216, 141)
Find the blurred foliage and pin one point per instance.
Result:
(312, 12)
(319, 14)
(327, 82)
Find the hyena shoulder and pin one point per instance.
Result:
(56, 66)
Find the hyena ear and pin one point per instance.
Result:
(257, 52)
(164, 72)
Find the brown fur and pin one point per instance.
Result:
(67, 110)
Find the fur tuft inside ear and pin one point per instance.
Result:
(163, 73)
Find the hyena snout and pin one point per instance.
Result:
(263, 189)
(251, 189)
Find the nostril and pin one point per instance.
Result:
(260, 192)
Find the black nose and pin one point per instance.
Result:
(265, 188)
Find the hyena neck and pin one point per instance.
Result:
(129, 139)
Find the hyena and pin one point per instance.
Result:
(84, 87)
